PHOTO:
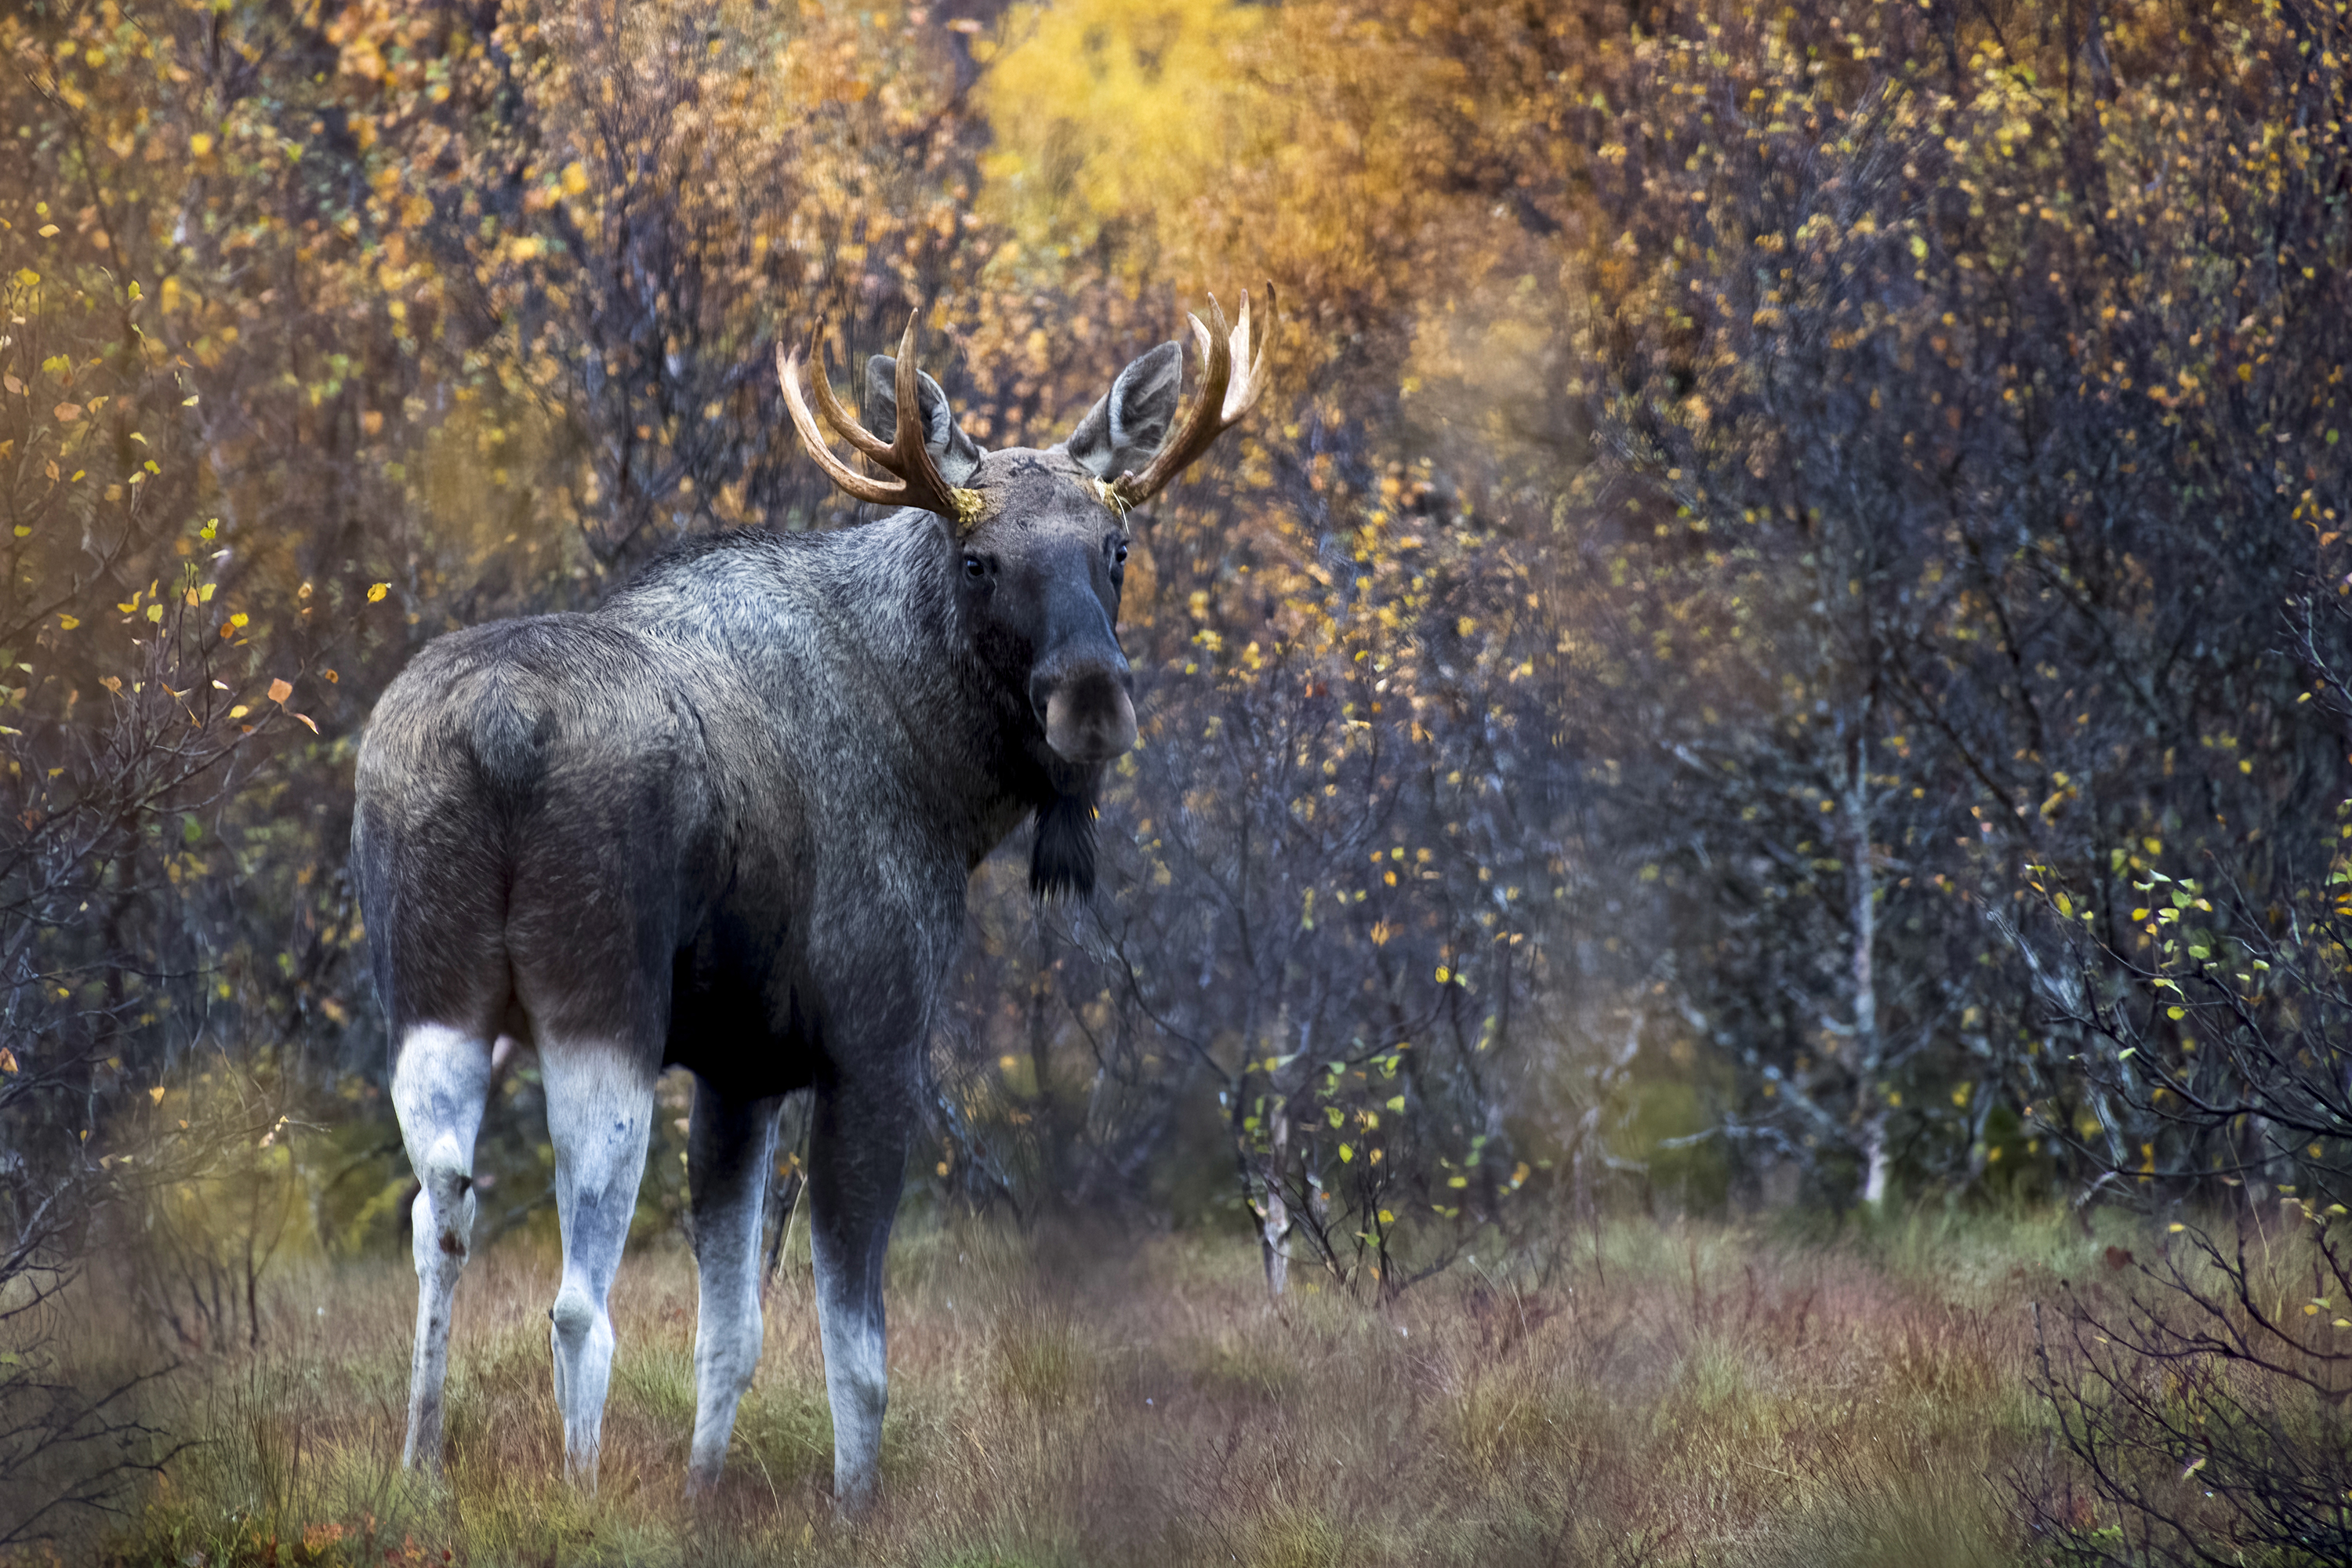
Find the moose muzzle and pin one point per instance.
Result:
(1089, 717)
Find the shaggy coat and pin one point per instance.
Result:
(727, 822)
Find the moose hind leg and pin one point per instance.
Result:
(857, 1158)
(439, 1083)
(728, 1148)
(599, 1108)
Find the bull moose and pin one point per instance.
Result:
(727, 821)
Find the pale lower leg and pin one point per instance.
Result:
(599, 1108)
(439, 1086)
(727, 1175)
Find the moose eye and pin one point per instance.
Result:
(973, 569)
(1116, 550)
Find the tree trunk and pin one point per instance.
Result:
(1873, 1154)
(1275, 1212)
(1868, 1057)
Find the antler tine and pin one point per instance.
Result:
(1242, 394)
(838, 418)
(847, 478)
(910, 459)
(919, 481)
(1222, 400)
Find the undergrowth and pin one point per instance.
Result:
(1670, 1392)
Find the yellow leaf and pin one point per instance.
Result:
(575, 178)
(157, 1094)
(67, 623)
(7, 1059)
(376, 593)
(200, 143)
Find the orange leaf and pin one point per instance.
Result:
(279, 690)
(67, 413)
(7, 1059)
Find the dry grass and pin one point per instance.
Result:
(1688, 1395)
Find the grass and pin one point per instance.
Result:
(1673, 1394)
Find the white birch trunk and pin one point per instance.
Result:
(1275, 1213)
(1868, 1055)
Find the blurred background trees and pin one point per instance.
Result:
(1764, 517)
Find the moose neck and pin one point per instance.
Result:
(853, 640)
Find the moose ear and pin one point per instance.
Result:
(955, 453)
(1128, 427)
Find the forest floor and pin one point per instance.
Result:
(1674, 1392)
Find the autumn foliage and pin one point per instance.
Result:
(1775, 528)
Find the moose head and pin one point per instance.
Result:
(1038, 541)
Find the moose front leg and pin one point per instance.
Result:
(730, 1146)
(858, 1158)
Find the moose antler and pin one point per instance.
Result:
(1221, 402)
(919, 481)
